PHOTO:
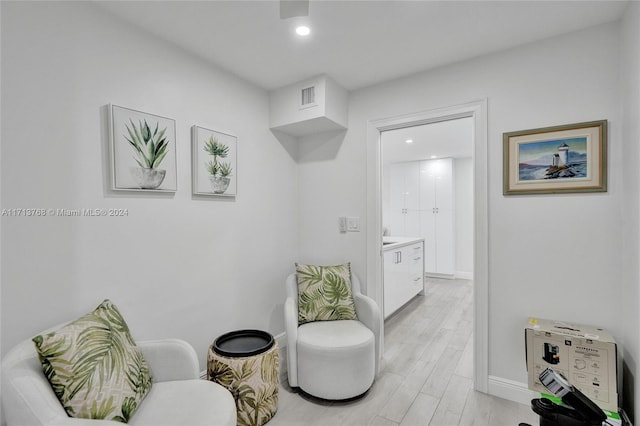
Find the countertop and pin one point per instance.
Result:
(392, 243)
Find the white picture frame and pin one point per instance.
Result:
(205, 143)
(135, 164)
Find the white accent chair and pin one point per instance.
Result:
(333, 359)
(178, 395)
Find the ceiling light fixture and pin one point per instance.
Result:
(303, 30)
(409, 141)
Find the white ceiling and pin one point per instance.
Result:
(358, 43)
(453, 138)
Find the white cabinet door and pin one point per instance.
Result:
(427, 185)
(396, 186)
(394, 277)
(428, 232)
(444, 237)
(412, 185)
(415, 268)
(403, 276)
(436, 219)
(444, 183)
(404, 187)
(422, 205)
(412, 226)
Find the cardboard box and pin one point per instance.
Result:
(586, 356)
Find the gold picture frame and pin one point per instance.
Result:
(571, 158)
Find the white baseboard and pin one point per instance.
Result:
(511, 390)
(281, 339)
(464, 275)
(441, 276)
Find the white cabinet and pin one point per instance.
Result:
(436, 215)
(404, 181)
(421, 205)
(403, 274)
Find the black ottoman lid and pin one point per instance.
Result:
(242, 343)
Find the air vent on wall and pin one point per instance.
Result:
(308, 97)
(308, 107)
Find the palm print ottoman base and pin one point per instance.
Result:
(246, 363)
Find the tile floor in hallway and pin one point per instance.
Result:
(426, 376)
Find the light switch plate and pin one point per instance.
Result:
(342, 224)
(353, 224)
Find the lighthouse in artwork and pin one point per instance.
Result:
(563, 152)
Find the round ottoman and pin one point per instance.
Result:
(246, 363)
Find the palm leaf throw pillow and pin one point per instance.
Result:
(324, 293)
(94, 367)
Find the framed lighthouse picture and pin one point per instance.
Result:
(555, 160)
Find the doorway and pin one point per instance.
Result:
(476, 111)
(427, 192)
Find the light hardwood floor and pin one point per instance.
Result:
(426, 377)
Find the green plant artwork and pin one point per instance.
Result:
(214, 160)
(217, 150)
(150, 147)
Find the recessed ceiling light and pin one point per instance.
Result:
(303, 30)
(434, 156)
(409, 141)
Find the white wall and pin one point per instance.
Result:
(562, 80)
(177, 266)
(630, 90)
(463, 181)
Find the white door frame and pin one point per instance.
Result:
(478, 111)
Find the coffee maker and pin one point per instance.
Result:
(576, 409)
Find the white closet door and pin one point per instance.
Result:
(396, 199)
(427, 185)
(437, 221)
(412, 226)
(412, 185)
(404, 186)
(428, 232)
(445, 261)
(444, 183)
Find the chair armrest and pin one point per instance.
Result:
(291, 328)
(368, 313)
(170, 359)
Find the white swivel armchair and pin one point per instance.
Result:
(177, 397)
(333, 359)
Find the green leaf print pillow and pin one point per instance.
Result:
(324, 293)
(94, 367)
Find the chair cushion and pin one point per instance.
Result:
(336, 359)
(186, 402)
(324, 293)
(94, 367)
(334, 336)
